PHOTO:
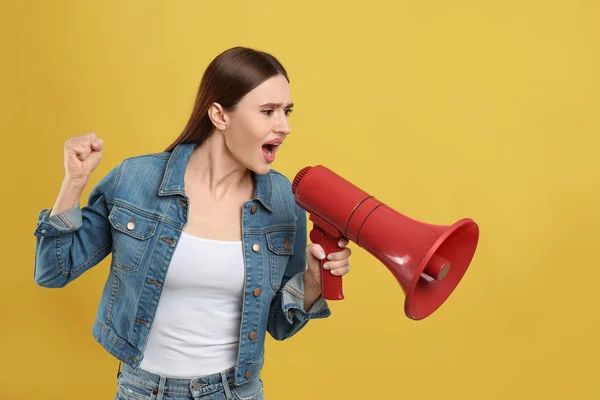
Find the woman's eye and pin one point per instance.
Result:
(270, 112)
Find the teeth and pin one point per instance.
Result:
(271, 147)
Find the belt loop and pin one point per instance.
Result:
(161, 388)
(228, 394)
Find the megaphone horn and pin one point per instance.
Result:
(427, 260)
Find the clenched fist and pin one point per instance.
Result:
(82, 156)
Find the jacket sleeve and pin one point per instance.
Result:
(73, 241)
(287, 315)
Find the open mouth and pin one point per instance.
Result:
(269, 151)
(270, 148)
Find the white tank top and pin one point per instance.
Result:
(197, 324)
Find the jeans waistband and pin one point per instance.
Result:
(179, 386)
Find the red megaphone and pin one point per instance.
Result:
(427, 260)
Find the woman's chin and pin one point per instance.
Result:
(261, 169)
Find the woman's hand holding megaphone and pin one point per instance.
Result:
(336, 264)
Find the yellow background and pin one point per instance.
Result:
(442, 109)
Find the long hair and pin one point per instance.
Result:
(227, 79)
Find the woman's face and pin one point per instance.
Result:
(259, 124)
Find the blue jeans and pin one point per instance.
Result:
(144, 385)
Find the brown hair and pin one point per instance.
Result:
(227, 79)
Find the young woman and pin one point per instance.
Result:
(208, 247)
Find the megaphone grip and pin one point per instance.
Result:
(331, 285)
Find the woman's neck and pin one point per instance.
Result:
(213, 168)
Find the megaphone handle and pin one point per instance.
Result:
(331, 285)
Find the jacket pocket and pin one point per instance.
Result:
(131, 233)
(281, 247)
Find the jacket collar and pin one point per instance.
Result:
(173, 183)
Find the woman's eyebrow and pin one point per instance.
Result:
(275, 105)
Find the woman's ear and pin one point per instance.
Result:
(216, 113)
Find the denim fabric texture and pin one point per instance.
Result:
(136, 213)
(144, 385)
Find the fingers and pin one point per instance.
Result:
(343, 242)
(315, 250)
(339, 255)
(94, 158)
(82, 146)
(314, 253)
(337, 267)
(337, 263)
(97, 144)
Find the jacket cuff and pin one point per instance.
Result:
(67, 221)
(293, 302)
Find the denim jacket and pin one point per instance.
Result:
(137, 212)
